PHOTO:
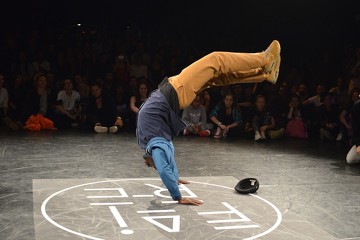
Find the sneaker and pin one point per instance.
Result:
(257, 136)
(204, 133)
(271, 54)
(218, 133)
(113, 129)
(101, 129)
(274, 74)
(339, 137)
(186, 132)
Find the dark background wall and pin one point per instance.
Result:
(306, 28)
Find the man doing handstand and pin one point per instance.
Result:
(159, 118)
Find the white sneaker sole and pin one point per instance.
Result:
(274, 74)
(100, 129)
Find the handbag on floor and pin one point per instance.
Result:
(296, 128)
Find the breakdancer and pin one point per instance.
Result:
(159, 118)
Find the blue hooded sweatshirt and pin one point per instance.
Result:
(157, 119)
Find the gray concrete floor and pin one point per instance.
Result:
(308, 181)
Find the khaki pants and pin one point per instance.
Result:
(218, 69)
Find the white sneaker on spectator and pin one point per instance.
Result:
(186, 132)
(339, 137)
(257, 136)
(113, 129)
(218, 133)
(101, 129)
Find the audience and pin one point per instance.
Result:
(127, 71)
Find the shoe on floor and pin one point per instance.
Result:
(204, 133)
(257, 136)
(218, 133)
(113, 129)
(101, 129)
(186, 132)
(339, 137)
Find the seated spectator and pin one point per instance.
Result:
(37, 112)
(353, 155)
(121, 69)
(302, 92)
(226, 117)
(296, 126)
(278, 105)
(261, 120)
(122, 103)
(328, 119)
(310, 106)
(4, 104)
(109, 83)
(156, 69)
(132, 87)
(315, 100)
(4, 97)
(354, 80)
(340, 92)
(82, 87)
(67, 106)
(136, 101)
(196, 119)
(41, 64)
(138, 68)
(205, 100)
(294, 90)
(244, 102)
(17, 92)
(345, 115)
(101, 114)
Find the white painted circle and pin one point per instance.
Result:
(128, 231)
